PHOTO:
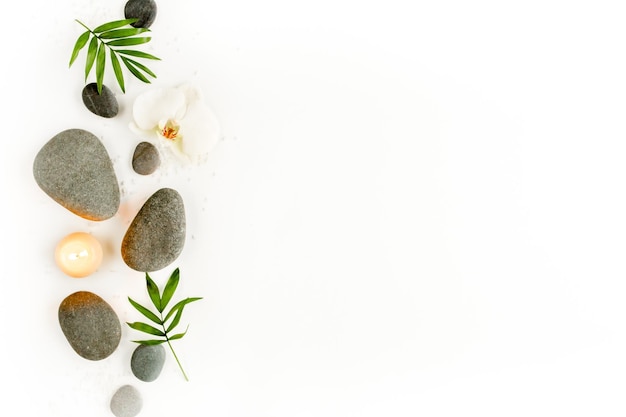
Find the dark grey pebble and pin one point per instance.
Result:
(126, 401)
(90, 325)
(156, 236)
(146, 158)
(143, 10)
(147, 362)
(75, 170)
(103, 104)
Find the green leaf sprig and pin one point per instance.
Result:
(160, 301)
(115, 38)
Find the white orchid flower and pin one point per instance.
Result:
(180, 119)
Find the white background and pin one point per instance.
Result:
(416, 208)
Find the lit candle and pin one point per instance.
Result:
(78, 254)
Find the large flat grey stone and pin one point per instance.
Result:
(75, 170)
(90, 325)
(156, 236)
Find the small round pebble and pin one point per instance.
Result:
(102, 104)
(147, 362)
(143, 10)
(146, 158)
(126, 402)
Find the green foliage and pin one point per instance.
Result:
(111, 36)
(164, 324)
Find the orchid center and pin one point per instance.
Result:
(169, 129)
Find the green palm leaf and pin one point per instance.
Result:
(110, 36)
(160, 301)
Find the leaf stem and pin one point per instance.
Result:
(177, 361)
(83, 25)
(172, 348)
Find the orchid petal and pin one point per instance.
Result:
(191, 93)
(199, 130)
(155, 105)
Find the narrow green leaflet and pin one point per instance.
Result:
(122, 33)
(179, 335)
(146, 328)
(141, 67)
(160, 301)
(137, 54)
(149, 314)
(153, 292)
(150, 342)
(105, 40)
(117, 69)
(80, 44)
(129, 41)
(134, 70)
(176, 320)
(170, 287)
(114, 25)
(91, 56)
(100, 61)
(179, 305)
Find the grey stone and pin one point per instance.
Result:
(156, 235)
(103, 104)
(146, 158)
(75, 170)
(147, 362)
(143, 10)
(126, 401)
(90, 325)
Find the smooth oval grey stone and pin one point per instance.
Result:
(103, 104)
(143, 10)
(147, 362)
(156, 236)
(126, 401)
(146, 158)
(75, 170)
(90, 325)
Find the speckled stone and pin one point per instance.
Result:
(90, 325)
(102, 104)
(156, 236)
(143, 10)
(147, 362)
(146, 158)
(126, 401)
(75, 170)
